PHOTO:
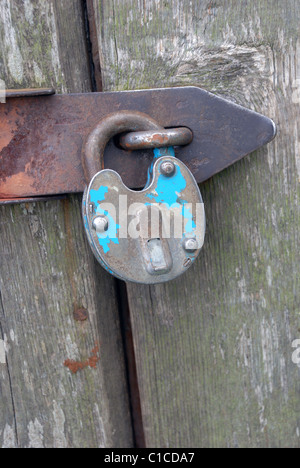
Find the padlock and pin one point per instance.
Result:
(149, 236)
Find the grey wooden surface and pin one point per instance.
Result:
(214, 348)
(47, 272)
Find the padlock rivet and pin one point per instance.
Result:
(167, 168)
(190, 245)
(100, 224)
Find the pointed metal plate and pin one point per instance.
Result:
(41, 138)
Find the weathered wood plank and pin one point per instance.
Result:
(43, 43)
(7, 419)
(48, 273)
(214, 348)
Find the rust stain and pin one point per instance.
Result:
(16, 183)
(92, 361)
(81, 315)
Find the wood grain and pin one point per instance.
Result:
(48, 273)
(214, 348)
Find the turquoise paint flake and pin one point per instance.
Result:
(168, 191)
(190, 225)
(169, 188)
(158, 153)
(96, 196)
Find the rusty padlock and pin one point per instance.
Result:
(149, 236)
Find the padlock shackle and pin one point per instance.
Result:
(110, 126)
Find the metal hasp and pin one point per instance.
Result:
(149, 236)
(28, 92)
(41, 138)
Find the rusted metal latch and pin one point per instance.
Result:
(52, 145)
(42, 136)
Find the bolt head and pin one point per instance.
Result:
(100, 224)
(190, 245)
(168, 168)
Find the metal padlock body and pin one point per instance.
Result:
(132, 253)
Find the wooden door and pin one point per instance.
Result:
(213, 350)
(48, 273)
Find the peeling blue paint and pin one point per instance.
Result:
(169, 188)
(158, 153)
(190, 226)
(96, 196)
(168, 191)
